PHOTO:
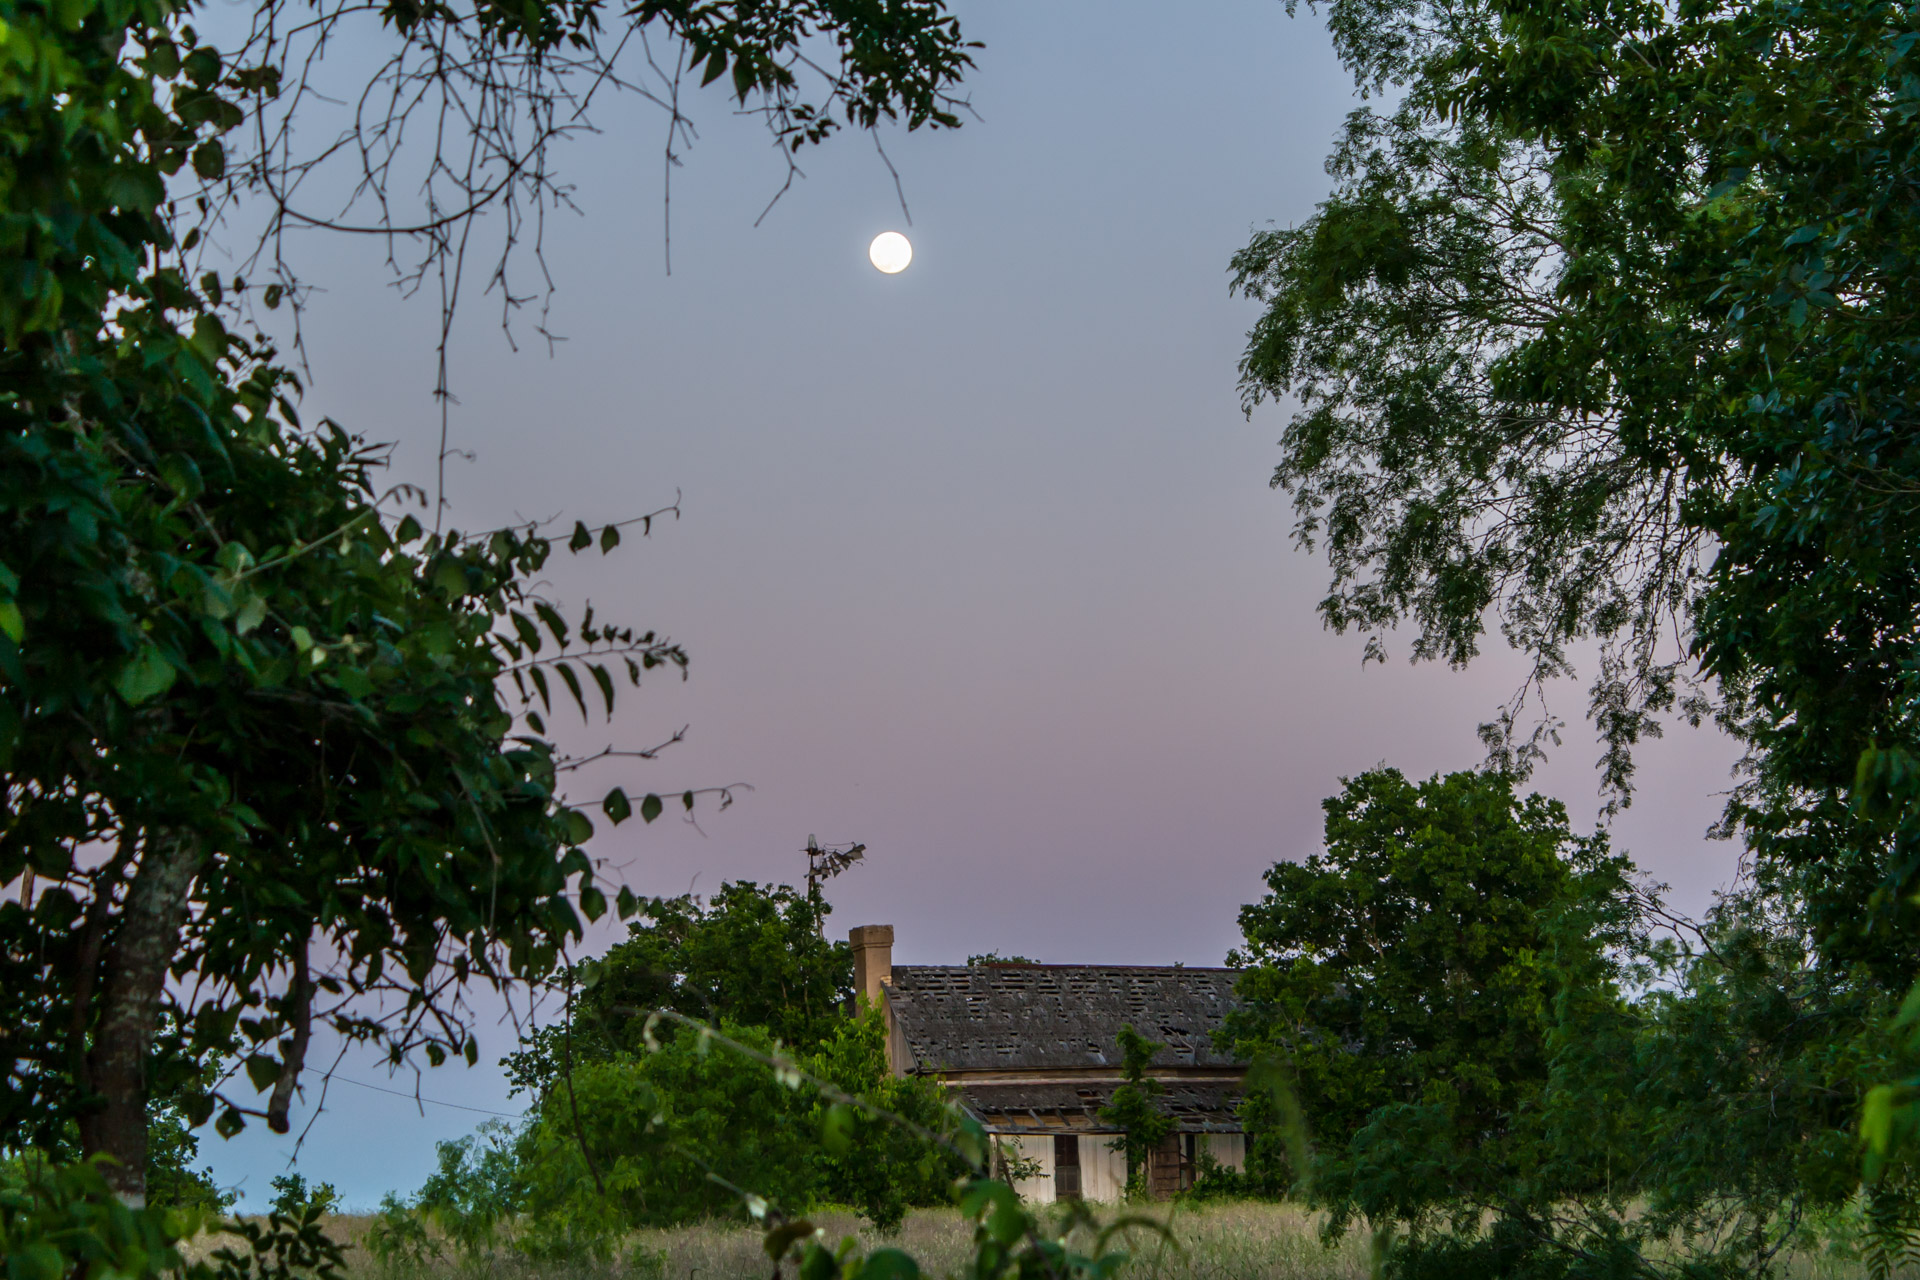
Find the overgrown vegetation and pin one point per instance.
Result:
(1603, 338)
(1502, 1058)
(670, 1091)
(1600, 339)
(1143, 1124)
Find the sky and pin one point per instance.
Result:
(978, 563)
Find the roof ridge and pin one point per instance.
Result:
(1140, 968)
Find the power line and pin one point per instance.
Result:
(414, 1097)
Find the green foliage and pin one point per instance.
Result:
(1417, 960)
(870, 1160)
(172, 1147)
(64, 1220)
(1143, 1124)
(1599, 338)
(293, 1198)
(1009, 1241)
(397, 1240)
(296, 693)
(246, 702)
(1213, 1181)
(672, 1134)
(1602, 333)
(1507, 1073)
(752, 955)
(753, 959)
(654, 1139)
(474, 1193)
(61, 1220)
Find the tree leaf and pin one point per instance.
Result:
(578, 828)
(210, 159)
(147, 675)
(573, 686)
(555, 623)
(251, 613)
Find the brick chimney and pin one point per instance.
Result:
(872, 960)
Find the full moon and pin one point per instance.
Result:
(890, 252)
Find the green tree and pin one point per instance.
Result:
(1504, 1067)
(1144, 1124)
(172, 1147)
(870, 1160)
(473, 1193)
(294, 1198)
(250, 712)
(1598, 339)
(752, 959)
(664, 1137)
(1705, 1128)
(752, 955)
(1415, 963)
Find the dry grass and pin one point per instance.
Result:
(1228, 1242)
(1210, 1242)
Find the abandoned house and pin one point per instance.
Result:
(1033, 1052)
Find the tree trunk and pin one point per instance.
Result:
(136, 975)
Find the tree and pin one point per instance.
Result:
(751, 959)
(752, 956)
(1409, 949)
(1416, 963)
(871, 1159)
(258, 755)
(1506, 1070)
(631, 1140)
(1599, 331)
(1144, 1126)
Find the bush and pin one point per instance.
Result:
(877, 1165)
(662, 1138)
(293, 1198)
(476, 1191)
(398, 1241)
(61, 1220)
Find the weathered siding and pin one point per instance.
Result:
(1033, 1146)
(1103, 1172)
(1230, 1149)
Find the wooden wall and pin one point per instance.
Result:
(1103, 1172)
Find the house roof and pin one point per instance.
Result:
(1002, 1017)
(1194, 1106)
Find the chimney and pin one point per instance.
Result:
(872, 960)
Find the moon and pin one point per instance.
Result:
(891, 252)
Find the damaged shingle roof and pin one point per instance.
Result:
(1025, 1016)
(1194, 1106)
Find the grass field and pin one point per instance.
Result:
(1219, 1242)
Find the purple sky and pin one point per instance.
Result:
(978, 562)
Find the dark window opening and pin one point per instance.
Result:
(1066, 1166)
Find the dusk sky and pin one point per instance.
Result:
(978, 563)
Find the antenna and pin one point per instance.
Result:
(824, 862)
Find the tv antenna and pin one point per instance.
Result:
(825, 861)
